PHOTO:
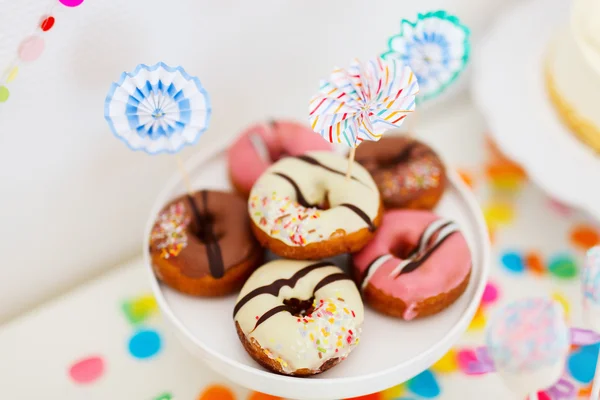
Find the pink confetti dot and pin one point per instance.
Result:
(31, 48)
(71, 3)
(464, 358)
(87, 370)
(490, 294)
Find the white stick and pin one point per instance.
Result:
(533, 396)
(350, 162)
(596, 385)
(184, 175)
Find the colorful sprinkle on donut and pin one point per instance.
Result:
(169, 230)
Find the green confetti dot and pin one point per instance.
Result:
(3, 94)
(563, 266)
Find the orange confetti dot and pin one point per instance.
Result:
(534, 263)
(216, 392)
(584, 236)
(585, 392)
(466, 177)
(262, 396)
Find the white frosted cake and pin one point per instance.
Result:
(573, 72)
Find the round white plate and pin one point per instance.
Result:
(391, 351)
(509, 88)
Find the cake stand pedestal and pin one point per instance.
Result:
(509, 88)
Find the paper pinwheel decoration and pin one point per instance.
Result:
(157, 109)
(436, 47)
(363, 102)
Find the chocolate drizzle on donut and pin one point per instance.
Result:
(299, 196)
(363, 215)
(205, 230)
(312, 161)
(438, 231)
(304, 203)
(274, 287)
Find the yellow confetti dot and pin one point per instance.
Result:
(12, 74)
(448, 363)
(478, 321)
(498, 213)
(563, 302)
(394, 392)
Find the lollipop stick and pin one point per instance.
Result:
(533, 396)
(411, 125)
(596, 385)
(350, 162)
(184, 175)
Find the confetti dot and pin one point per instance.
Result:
(424, 385)
(465, 357)
(164, 396)
(144, 344)
(87, 370)
(262, 396)
(490, 294)
(372, 396)
(563, 302)
(71, 3)
(584, 236)
(582, 364)
(534, 263)
(139, 309)
(4, 93)
(12, 74)
(543, 396)
(448, 363)
(585, 392)
(512, 261)
(498, 213)
(393, 393)
(47, 23)
(31, 48)
(466, 177)
(478, 321)
(216, 392)
(563, 266)
(559, 207)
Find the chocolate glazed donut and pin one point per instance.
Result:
(202, 244)
(408, 173)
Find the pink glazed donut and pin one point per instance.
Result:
(261, 145)
(416, 265)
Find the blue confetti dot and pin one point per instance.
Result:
(424, 385)
(582, 363)
(145, 344)
(513, 262)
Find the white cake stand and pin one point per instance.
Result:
(391, 351)
(509, 88)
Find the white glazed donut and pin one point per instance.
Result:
(303, 207)
(299, 317)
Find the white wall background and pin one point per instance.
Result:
(73, 199)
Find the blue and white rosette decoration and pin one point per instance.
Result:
(436, 47)
(157, 109)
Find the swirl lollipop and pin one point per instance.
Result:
(591, 302)
(436, 47)
(362, 102)
(528, 341)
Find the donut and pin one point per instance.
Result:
(409, 173)
(262, 144)
(299, 318)
(416, 265)
(201, 244)
(304, 208)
